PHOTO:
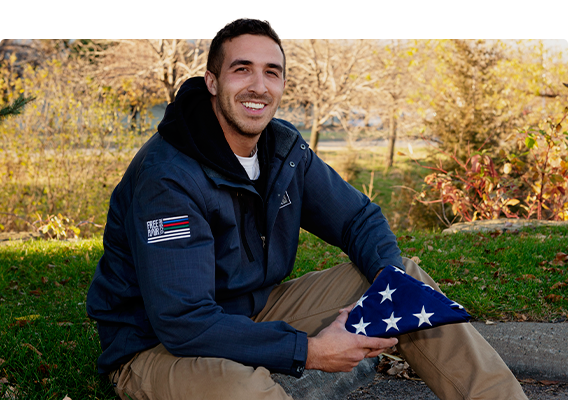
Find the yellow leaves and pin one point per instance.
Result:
(28, 317)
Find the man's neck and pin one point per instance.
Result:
(241, 145)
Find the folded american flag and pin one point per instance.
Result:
(396, 303)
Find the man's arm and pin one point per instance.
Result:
(342, 216)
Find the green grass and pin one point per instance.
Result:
(44, 284)
(507, 276)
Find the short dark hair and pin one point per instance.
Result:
(232, 30)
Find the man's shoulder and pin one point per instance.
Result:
(286, 135)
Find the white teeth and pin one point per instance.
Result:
(256, 106)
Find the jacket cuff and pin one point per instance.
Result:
(300, 354)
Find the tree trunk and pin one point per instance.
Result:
(392, 137)
(314, 137)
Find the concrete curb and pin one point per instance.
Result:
(530, 349)
(318, 385)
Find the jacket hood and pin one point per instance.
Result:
(191, 126)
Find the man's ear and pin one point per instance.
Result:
(211, 82)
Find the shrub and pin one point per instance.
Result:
(530, 184)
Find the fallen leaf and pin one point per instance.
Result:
(410, 250)
(44, 280)
(57, 284)
(68, 345)
(430, 248)
(64, 281)
(29, 346)
(20, 323)
(29, 317)
(416, 259)
(548, 383)
(3, 380)
(447, 281)
(558, 285)
(67, 398)
(525, 277)
(554, 297)
(489, 322)
(65, 323)
(527, 380)
(36, 292)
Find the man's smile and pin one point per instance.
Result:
(254, 106)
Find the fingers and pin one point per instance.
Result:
(348, 308)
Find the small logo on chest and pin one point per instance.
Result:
(285, 200)
(163, 229)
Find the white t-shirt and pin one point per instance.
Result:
(251, 165)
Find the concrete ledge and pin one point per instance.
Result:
(502, 224)
(318, 385)
(530, 349)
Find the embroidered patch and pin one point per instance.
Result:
(285, 200)
(160, 230)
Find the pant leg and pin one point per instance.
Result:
(309, 303)
(312, 302)
(155, 374)
(455, 361)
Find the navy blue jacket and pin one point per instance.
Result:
(193, 248)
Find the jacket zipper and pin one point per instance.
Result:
(243, 230)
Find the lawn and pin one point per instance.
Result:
(49, 346)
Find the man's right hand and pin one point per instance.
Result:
(335, 349)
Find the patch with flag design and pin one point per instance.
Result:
(396, 303)
(163, 229)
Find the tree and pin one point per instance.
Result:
(323, 77)
(153, 65)
(396, 69)
(466, 98)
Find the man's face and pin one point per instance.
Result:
(249, 87)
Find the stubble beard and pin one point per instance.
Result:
(229, 114)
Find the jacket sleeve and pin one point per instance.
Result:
(176, 274)
(343, 216)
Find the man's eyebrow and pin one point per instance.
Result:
(239, 61)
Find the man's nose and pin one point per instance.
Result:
(257, 83)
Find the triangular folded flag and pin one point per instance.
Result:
(396, 303)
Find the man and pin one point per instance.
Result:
(203, 228)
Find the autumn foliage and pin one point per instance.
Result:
(530, 181)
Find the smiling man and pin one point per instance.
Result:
(204, 227)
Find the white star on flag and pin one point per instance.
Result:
(387, 293)
(391, 322)
(456, 304)
(423, 317)
(360, 302)
(360, 327)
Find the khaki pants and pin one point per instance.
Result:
(454, 360)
